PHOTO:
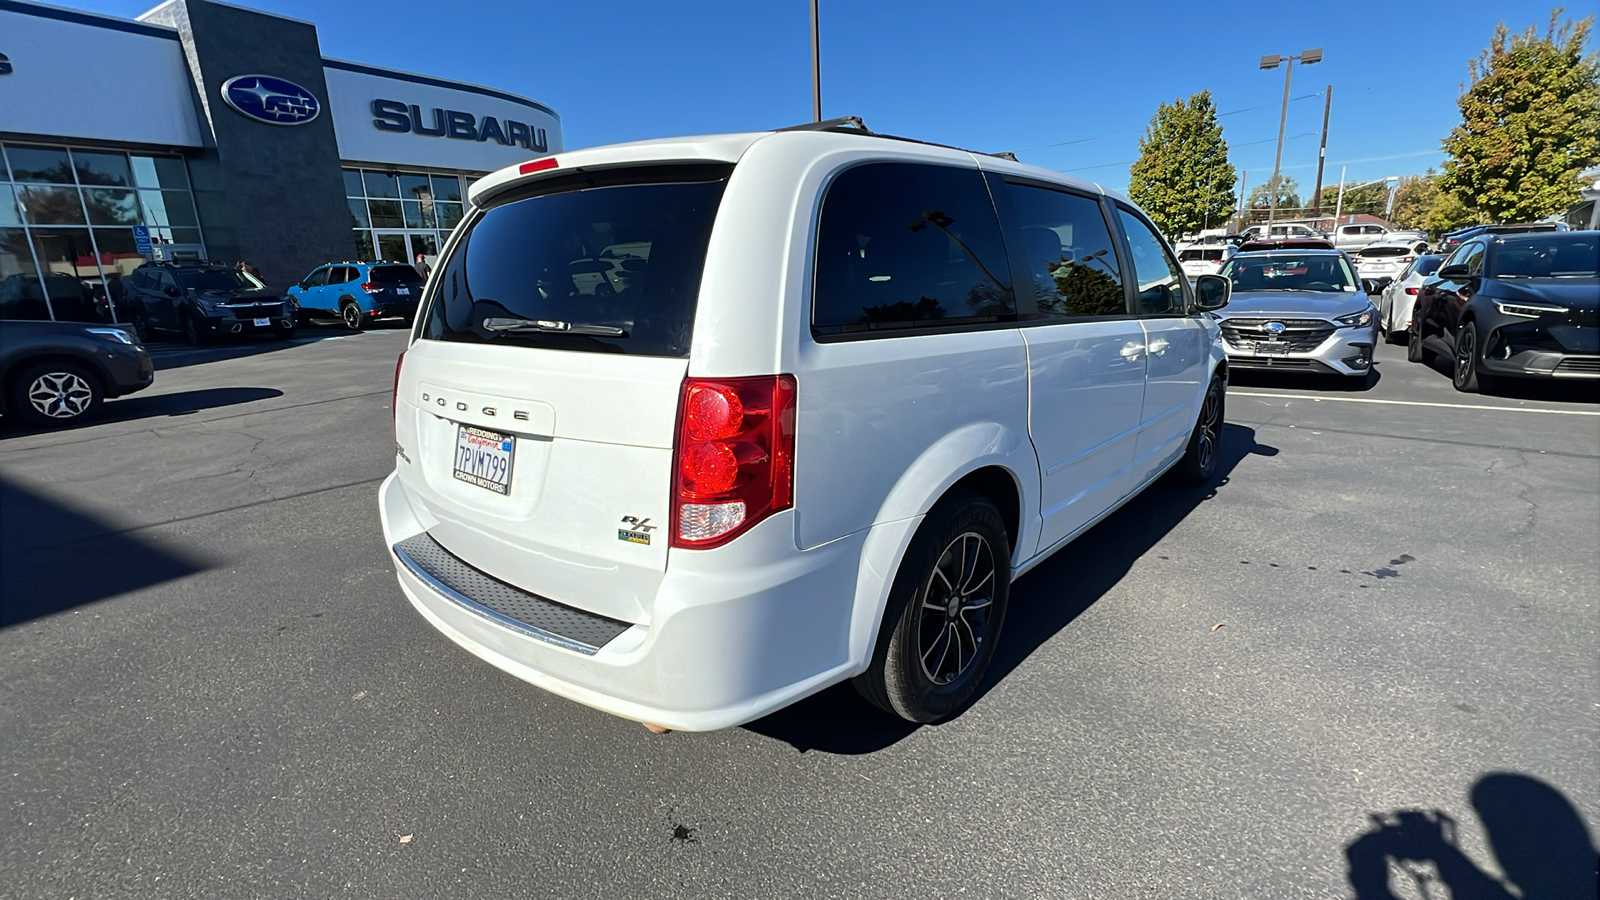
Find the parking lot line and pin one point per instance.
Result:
(1527, 409)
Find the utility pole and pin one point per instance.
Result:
(816, 66)
(1272, 61)
(1322, 153)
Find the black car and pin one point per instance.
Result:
(201, 302)
(1516, 305)
(56, 373)
(1456, 238)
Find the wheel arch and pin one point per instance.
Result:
(15, 367)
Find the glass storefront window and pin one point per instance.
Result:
(381, 184)
(446, 187)
(415, 187)
(186, 235)
(352, 183)
(102, 168)
(364, 245)
(168, 208)
(358, 213)
(160, 172)
(108, 206)
(21, 297)
(385, 213)
(9, 214)
(43, 205)
(40, 165)
(72, 278)
(413, 214)
(449, 215)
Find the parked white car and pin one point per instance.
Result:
(1204, 259)
(1400, 297)
(1384, 261)
(815, 439)
(1355, 237)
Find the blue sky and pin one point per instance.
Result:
(990, 76)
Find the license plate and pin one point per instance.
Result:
(483, 458)
(404, 292)
(1272, 348)
(262, 323)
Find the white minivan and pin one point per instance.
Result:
(830, 393)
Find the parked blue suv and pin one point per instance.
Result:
(359, 292)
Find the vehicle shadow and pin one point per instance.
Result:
(53, 558)
(1043, 602)
(1301, 381)
(181, 403)
(1538, 839)
(178, 355)
(1547, 390)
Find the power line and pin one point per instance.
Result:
(1103, 137)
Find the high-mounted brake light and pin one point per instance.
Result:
(538, 165)
(394, 398)
(733, 462)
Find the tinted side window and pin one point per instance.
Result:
(1160, 281)
(1473, 259)
(1070, 253)
(904, 245)
(317, 278)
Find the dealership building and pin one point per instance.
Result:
(203, 130)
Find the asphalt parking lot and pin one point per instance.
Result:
(210, 685)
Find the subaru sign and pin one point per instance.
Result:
(270, 100)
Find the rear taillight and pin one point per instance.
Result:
(394, 398)
(1411, 291)
(371, 287)
(733, 463)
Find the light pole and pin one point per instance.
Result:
(816, 67)
(1272, 61)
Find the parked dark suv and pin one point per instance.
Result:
(1518, 305)
(56, 373)
(201, 302)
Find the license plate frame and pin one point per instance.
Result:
(484, 458)
(1272, 348)
(262, 323)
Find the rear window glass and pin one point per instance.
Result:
(1322, 272)
(394, 275)
(1375, 252)
(1557, 256)
(904, 245)
(611, 269)
(1199, 254)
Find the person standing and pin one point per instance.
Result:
(248, 269)
(422, 267)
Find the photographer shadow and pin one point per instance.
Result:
(1537, 836)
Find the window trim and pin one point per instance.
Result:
(1029, 316)
(960, 325)
(1131, 284)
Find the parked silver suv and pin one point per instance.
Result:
(1298, 310)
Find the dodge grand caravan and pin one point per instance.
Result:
(850, 388)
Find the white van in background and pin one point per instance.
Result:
(850, 387)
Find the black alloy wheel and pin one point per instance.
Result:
(55, 394)
(945, 612)
(1465, 375)
(1415, 352)
(351, 313)
(1199, 462)
(192, 333)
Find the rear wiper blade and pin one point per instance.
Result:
(515, 325)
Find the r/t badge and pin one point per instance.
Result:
(635, 530)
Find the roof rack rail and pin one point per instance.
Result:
(853, 123)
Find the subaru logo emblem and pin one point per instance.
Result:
(271, 100)
(1275, 327)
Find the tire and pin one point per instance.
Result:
(55, 394)
(351, 313)
(1199, 462)
(193, 334)
(1464, 373)
(283, 334)
(950, 593)
(1415, 352)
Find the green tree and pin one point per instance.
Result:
(1288, 195)
(1183, 178)
(1414, 199)
(1362, 198)
(1530, 122)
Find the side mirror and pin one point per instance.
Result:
(1211, 292)
(1457, 272)
(170, 292)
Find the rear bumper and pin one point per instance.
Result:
(735, 633)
